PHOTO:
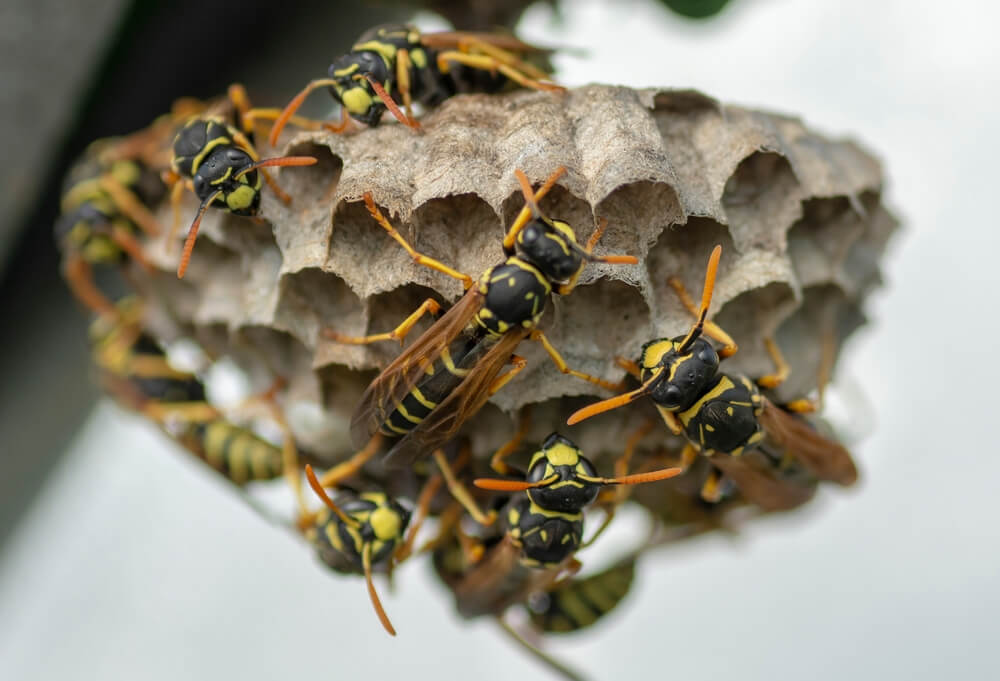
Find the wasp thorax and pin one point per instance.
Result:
(551, 247)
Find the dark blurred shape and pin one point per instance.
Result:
(696, 9)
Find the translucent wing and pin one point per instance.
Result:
(505, 41)
(821, 456)
(443, 424)
(763, 484)
(398, 379)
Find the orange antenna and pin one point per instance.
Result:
(587, 253)
(366, 562)
(279, 161)
(498, 485)
(637, 478)
(706, 299)
(193, 235)
(293, 106)
(321, 493)
(531, 203)
(612, 402)
(391, 105)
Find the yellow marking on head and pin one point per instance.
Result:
(386, 523)
(535, 509)
(729, 411)
(225, 176)
(709, 427)
(561, 454)
(654, 352)
(241, 198)
(418, 56)
(356, 100)
(544, 535)
(346, 71)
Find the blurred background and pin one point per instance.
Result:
(122, 557)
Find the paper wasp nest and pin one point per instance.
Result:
(799, 217)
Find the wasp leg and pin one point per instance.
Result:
(714, 487)
(540, 655)
(177, 185)
(470, 44)
(461, 493)
(399, 333)
(130, 206)
(346, 469)
(498, 462)
(427, 494)
(688, 455)
(631, 367)
(781, 368)
(80, 278)
(403, 64)
(502, 380)
(613, 497)
(488, 63)
(188, 412)
(537, 335)
(711, 329)
(125, 240)
(418, 258)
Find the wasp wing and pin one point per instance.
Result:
(443, 424)
(821, 456)
(396, 380)
(762, 483)
(453, 40)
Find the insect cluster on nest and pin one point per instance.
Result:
(643, 196)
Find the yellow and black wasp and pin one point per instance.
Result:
(106, 203)
(396, 65)
(219, 163)
(578, 603)
(772, 455)
(136, 372)
(363, 532)
(423, 397)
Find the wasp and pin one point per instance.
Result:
(364, 532)
(106, 203)
(395, 64)
(578, 603)
(219, 163)
(136, 372)
(773, 455)
(434, 386)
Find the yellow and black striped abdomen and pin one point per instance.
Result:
(445, 374)
(579, 603)
(237, 452)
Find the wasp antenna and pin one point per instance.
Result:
(611, 402)
(366, 562)
(392, 106)
(325, 498)
(706, 299)
(192, 235)
(497, 485)
(531, 200)
(293, 106)
(278, 161)
(639, 478)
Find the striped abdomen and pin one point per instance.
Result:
(235, 452)
(581, 602)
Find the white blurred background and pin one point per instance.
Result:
(137, 563)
